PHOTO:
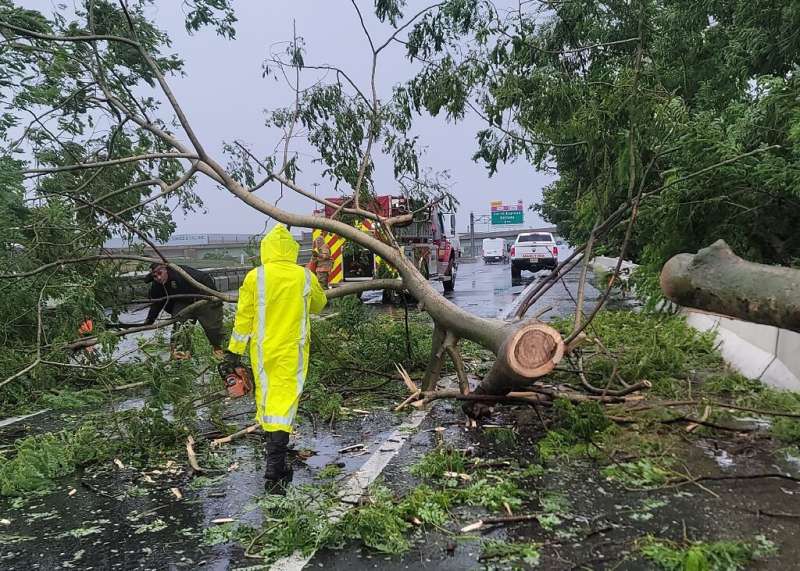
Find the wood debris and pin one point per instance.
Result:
(220, 441)
(352, 448)
(191, 454)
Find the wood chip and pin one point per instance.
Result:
(5, 521)
(72, 492)
(412, 386)
(305, 454)
(148, 479)
(472, 527)
(464, 477)
(119, 463)
(177, 493)
(692, 426)
(191, 455)
(221, 520)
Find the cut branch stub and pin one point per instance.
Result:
(718, 281)
(533, 350)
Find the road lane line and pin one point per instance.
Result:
(358, 482)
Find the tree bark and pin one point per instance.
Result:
(718, 281)
(530, 350)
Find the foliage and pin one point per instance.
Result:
(341, 121)
(576, 428)
(644, 473)
(69, 399)
(297, 521)
(40, 459)
(755, 394)
(495, 550)
(653, 96)
(56, 114)
(501, 436)
(379, 524)
(218, 534)
(699, 556)
(659, 348)
(329, 471)
(362, 346)
(438, 461)
(443, 469)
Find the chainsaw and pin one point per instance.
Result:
(238, 379)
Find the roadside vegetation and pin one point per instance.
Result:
(456, 494)
(657, 117)
(180, 398)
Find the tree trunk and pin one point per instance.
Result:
(530, 350)
(718, 281)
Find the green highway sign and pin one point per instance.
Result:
(507, 217)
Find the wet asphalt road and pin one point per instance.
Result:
(487, 290)
(109, 524)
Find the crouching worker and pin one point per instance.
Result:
(273, 315)
(173, 293)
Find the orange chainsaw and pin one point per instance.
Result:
(238, 379)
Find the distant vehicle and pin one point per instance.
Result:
(494, 250)
(427, 239)
(533, 251)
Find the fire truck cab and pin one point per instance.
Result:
(427, 239)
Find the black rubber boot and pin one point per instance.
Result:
(278, 474)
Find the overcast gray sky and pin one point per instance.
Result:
(225, 98)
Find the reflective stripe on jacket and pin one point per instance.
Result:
(276, 301)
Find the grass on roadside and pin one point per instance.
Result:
(702, 556)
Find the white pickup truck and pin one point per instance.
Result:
(533, 251)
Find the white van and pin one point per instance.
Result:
(494, 250)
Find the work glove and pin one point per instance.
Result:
(232, 359)
(230, 362)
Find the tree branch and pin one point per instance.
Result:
(112, 162)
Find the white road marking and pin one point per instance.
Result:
(355, 486)
(14, 420)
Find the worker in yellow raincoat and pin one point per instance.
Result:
(273, 314)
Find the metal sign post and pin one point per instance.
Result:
(480, 219)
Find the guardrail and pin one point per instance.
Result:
(225, 279)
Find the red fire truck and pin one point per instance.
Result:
(427, 240)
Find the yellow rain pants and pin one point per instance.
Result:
(273, 314)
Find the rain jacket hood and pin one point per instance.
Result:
(279, 246)
(273, 319)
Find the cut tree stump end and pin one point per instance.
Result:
(534, 350)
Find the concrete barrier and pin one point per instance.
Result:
(762, 352)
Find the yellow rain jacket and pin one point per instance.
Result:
(273, 314)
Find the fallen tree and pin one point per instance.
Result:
(525, 349)
(718, 281)
(342, 122)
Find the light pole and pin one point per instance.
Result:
(473, 218)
